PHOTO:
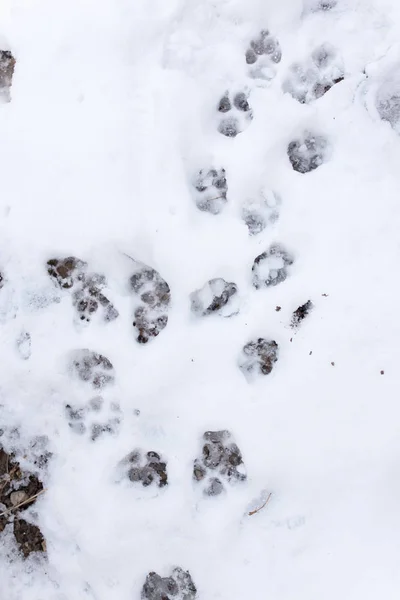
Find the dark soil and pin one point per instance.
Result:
(16, 489)
(301, 313)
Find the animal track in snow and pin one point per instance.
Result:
(311, 79)
(235, 114)
(152, 298)
(220, 464)
(216, 296)
(211, 190)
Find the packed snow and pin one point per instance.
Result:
(199, 251)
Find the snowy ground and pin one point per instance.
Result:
(113, 111)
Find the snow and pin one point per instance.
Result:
(113, 113)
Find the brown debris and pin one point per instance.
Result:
(19, 490)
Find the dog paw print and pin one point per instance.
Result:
(215, 297)
(319, 5)
(178, 585)
(235, 114)
(258, 357)
(220, 464)
(210, 190)
(271, 267)
(263, 54)
(71, 273)
(152, 295)
(308, 152)
(24, 345)
(95, 418)
(92, 367)
(145, 468)
(7, 65)
(258, 213)
(310, 80)
(387, 101)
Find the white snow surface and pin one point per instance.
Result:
(112, 112)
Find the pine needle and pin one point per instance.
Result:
(256, 510)
(27, 501)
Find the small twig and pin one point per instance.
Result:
(216, 198)
(256, 510)
(27, 501)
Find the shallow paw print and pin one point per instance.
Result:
(24, 345)
(220, 464)
(387, 101)
(308, 152)
(153, 296)
(271, 267)
(216, 296)
(92, 367)
(145, 468)
(178, 585)
(258, 357)
(235, 114)
(211, 190)
(262, 55)
(260, 212)
(319, 5)
(7, 65)
(310, 80)
(95, 418)
(71, 273)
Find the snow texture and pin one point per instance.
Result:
(111, 155)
